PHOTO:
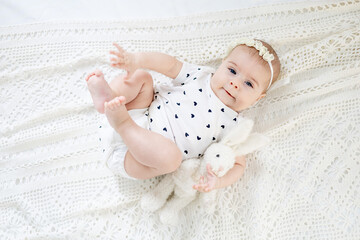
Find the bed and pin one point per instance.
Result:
(304, 185)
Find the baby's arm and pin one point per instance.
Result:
(234, 173)
(214, 182)
(156, 61)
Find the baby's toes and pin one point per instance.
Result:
(122, 100)
(109, 105)
(88, 76)
(114, 104)
(117, 102)
(98, 72)
(106, 105)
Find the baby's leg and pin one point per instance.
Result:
(136, 169)
(138, 89)
(99, 89)
(149, 154)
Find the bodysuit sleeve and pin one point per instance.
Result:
(187, 73)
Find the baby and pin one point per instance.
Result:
(150, 134)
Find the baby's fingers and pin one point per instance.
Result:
(210, 171)
(117, 54)
(117, 60)
(114, 60)
(117, 65)
(114, 53)
(200, 187)
(120, 49)
(201, 181)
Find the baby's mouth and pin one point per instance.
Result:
(228, 93)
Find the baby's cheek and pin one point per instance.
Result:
(238, 106)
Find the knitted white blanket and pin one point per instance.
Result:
(304, 185)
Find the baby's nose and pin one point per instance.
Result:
(234, 85)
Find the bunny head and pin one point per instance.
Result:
(221, 158)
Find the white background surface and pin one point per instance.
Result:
(30, 11)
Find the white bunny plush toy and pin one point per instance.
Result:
(221, 157)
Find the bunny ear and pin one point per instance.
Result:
(253, 142)
(239, 133)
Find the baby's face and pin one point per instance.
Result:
(241, 79)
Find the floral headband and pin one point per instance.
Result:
(258, 45)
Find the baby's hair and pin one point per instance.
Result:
(275, 62)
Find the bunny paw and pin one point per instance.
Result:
(167, 216)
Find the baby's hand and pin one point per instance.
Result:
(124, 60)
(211, 183)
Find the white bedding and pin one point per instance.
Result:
(304, 185)
(30, 11)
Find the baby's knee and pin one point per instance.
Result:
(174, 161)
(143, 75)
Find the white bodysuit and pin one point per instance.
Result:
(188, 113)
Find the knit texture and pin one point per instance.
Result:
(304, 185)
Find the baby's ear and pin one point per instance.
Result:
(261, 96)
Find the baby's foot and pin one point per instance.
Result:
(116, 112)
(99, 89)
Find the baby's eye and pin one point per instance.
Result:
(232, 71)
(249, 84)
